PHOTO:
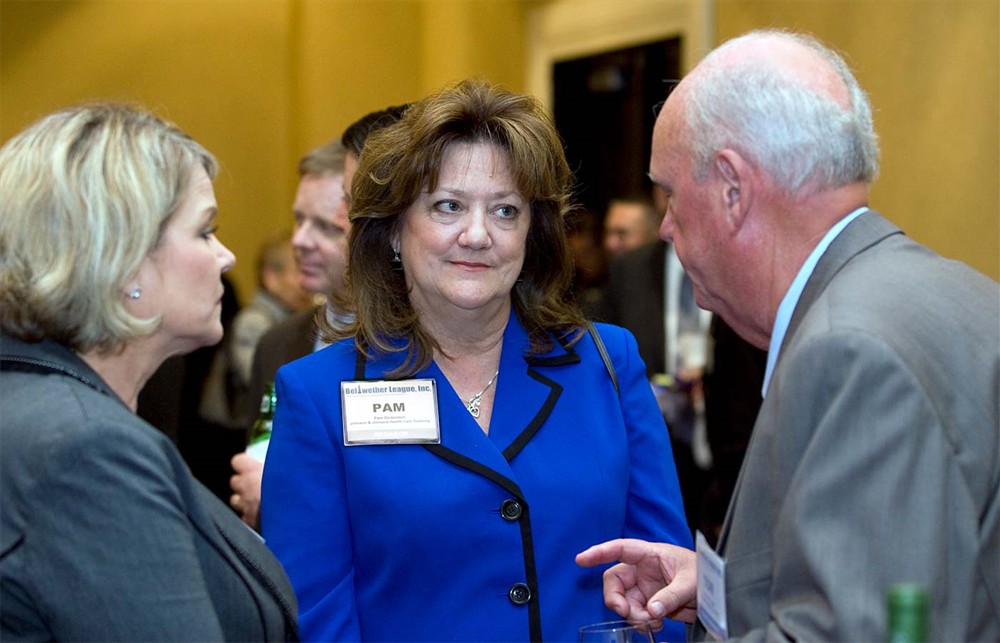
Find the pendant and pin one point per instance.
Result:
(473, 406)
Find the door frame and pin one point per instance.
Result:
(566, 29)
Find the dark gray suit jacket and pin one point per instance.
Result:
(876, 455)
(288, 340)
(104, 533)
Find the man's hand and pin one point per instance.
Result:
(245, 484)
(652, 581)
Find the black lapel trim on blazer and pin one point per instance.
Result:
(543, 414)
(527, 541)
(360, 359)
(569, 357)
(466, 463)
(534, 607)
(558, 360)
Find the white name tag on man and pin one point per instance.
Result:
(711, 589)
(390, 412)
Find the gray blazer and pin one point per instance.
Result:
(876, 455)
(104, 533)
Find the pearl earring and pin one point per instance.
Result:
(135, 293)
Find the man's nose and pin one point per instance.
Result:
(301, 238)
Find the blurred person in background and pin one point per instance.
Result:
(590, 261)
(225, 396)
(279, 295)
(629, 223)
(319, 241)
(320, 244)
(706, 378)
(110, 265)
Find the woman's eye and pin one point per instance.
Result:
(447, 206)
(507, 211)
(206, 234)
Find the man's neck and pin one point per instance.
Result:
(801, 225)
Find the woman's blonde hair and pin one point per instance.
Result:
(402, 160)
(86, 192)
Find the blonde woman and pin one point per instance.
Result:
(109, 264)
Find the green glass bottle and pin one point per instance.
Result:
(260, 433)
(907, 614)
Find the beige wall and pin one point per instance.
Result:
(223, 75)
(932, 70)
(258, 82)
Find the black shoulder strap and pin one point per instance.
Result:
(599, 343)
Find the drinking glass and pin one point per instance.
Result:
(616, 632)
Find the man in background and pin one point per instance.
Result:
(629, 223)
(320, 239)
(225, 399)
(319, 243)
(875, 459)
(321, 206)
(279, 294)
(584, 236)
(706, 379)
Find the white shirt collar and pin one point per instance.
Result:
(337, 320)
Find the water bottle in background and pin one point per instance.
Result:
(907, 614)
(260, 433)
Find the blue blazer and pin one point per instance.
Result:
(472, 539)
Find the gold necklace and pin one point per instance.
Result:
(473, 403)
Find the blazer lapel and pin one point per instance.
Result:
(525, 397)
(864, 232)
(229, 538)
(526, 400)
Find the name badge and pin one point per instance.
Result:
(711, 590)
(390, 412)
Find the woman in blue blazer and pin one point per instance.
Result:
(432, 478)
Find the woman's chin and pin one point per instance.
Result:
(213, 337)
(210, 337)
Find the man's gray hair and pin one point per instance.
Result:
(801, 136)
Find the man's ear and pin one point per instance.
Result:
(736, 183)
(269, 279)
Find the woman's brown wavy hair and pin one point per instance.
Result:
(401, 161)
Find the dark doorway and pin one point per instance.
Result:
(604, 110)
